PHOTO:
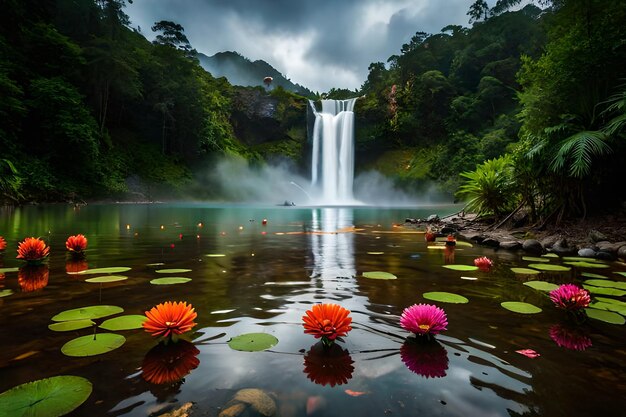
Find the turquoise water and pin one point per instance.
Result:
(268, 277)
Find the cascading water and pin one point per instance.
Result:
(332, 165)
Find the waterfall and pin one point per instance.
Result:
(332, 162)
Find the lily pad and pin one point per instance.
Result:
(584, 264)
(49, 397)
(621, 273)
(611, 301)
(5, 270)
(169, 281)
(535, 259)
(550, 267)
(605, 316)
(92, 312)
(92, 345)
(550, 255)
(541, 285)
(66, 326)
(463, 243)
(107, 278)
(604, 291)
(461, 267)
(252, 342)
(379, 275)
(580, 259)
(172, 271)
(606, 283)
(617, 308)
(520, 307)
(215, 255)
(110, 270)
(6, 293)
(592, 275)
(375, 253)
(525, 271)
(445, 297)
(128, 322)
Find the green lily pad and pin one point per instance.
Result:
(464, 244)
(379, 275)
(92, 345)
(580, 259)
(107, 278)
(169, 281)
(621, 273)
(617, 308)
(525, 271)
(605, 316)
(252, 342)
(592, 275)
(49, 397)
(6, 293)
(215, 255)
(611, 301)
(519, 307)
(375, 253)
(584, 264)
(550, 255)
(541, 285)
(550, 267)
(445, 297)
(92, 312)
(604, 291)
(172, 271)
(606, 283)
(110, 270)
(461, 267)
(5, 270)
(535, 259)
(128, 322)
(66, 326)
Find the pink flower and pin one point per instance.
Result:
(424, 319)
(429, 360)
(483, 263)
(529, 353)
(570, 297)
(569, 338)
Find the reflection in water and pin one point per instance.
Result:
(328, 366)
(448, 255)
(569, 337)
(33, 277)
(426, 358)
(75, 265)
(168, 363)
(333, 249)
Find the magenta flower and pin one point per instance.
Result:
(423, 319)
(483, 263)
(569, 338)
(429, 360)
(570, 297)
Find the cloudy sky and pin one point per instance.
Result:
(316, 43)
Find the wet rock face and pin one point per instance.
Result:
(255, 117)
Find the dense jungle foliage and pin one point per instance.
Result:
(529, 106)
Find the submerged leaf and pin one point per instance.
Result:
(520, 307)
(445, 297)
(92, 345)
(253, 342)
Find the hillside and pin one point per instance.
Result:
(239, 70)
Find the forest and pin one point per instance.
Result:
(523, 109)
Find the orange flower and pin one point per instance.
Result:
(167, 363)
(32, 249)
(170, 318)
(33, 277)
(328, 321)
(76, 244)
(328, 366)
(3, 243)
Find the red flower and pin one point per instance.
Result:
(429, 360)
(423, 319)
(33, 277)
(328, 321)
(570, 297)
(76, 244)
(169, 318)
(569, 338)
(165, 364)
(483, 263)
(3, 243)
(32, 249)
(74, 266)
(328, 366)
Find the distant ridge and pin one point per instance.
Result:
(239, 70)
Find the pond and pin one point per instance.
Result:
(252, 276)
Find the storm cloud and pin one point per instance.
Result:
(319, 44)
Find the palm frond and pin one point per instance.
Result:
(578, 152)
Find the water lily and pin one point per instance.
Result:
(570, 297)
(32, 249)
(33, 277)
(429, 360)
(328, 366)
(424, 319)
(483, 263)
(165, 364)
(76, 244)
(327, 321)
(3, 243)
(450, 240)
(170, 318)
(569, 338)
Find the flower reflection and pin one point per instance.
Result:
(33, 277)
(74, 266)
(328, 366)
(168, 363)
(3, 243)
(448, 255)
(428, 359)
(569, 337)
